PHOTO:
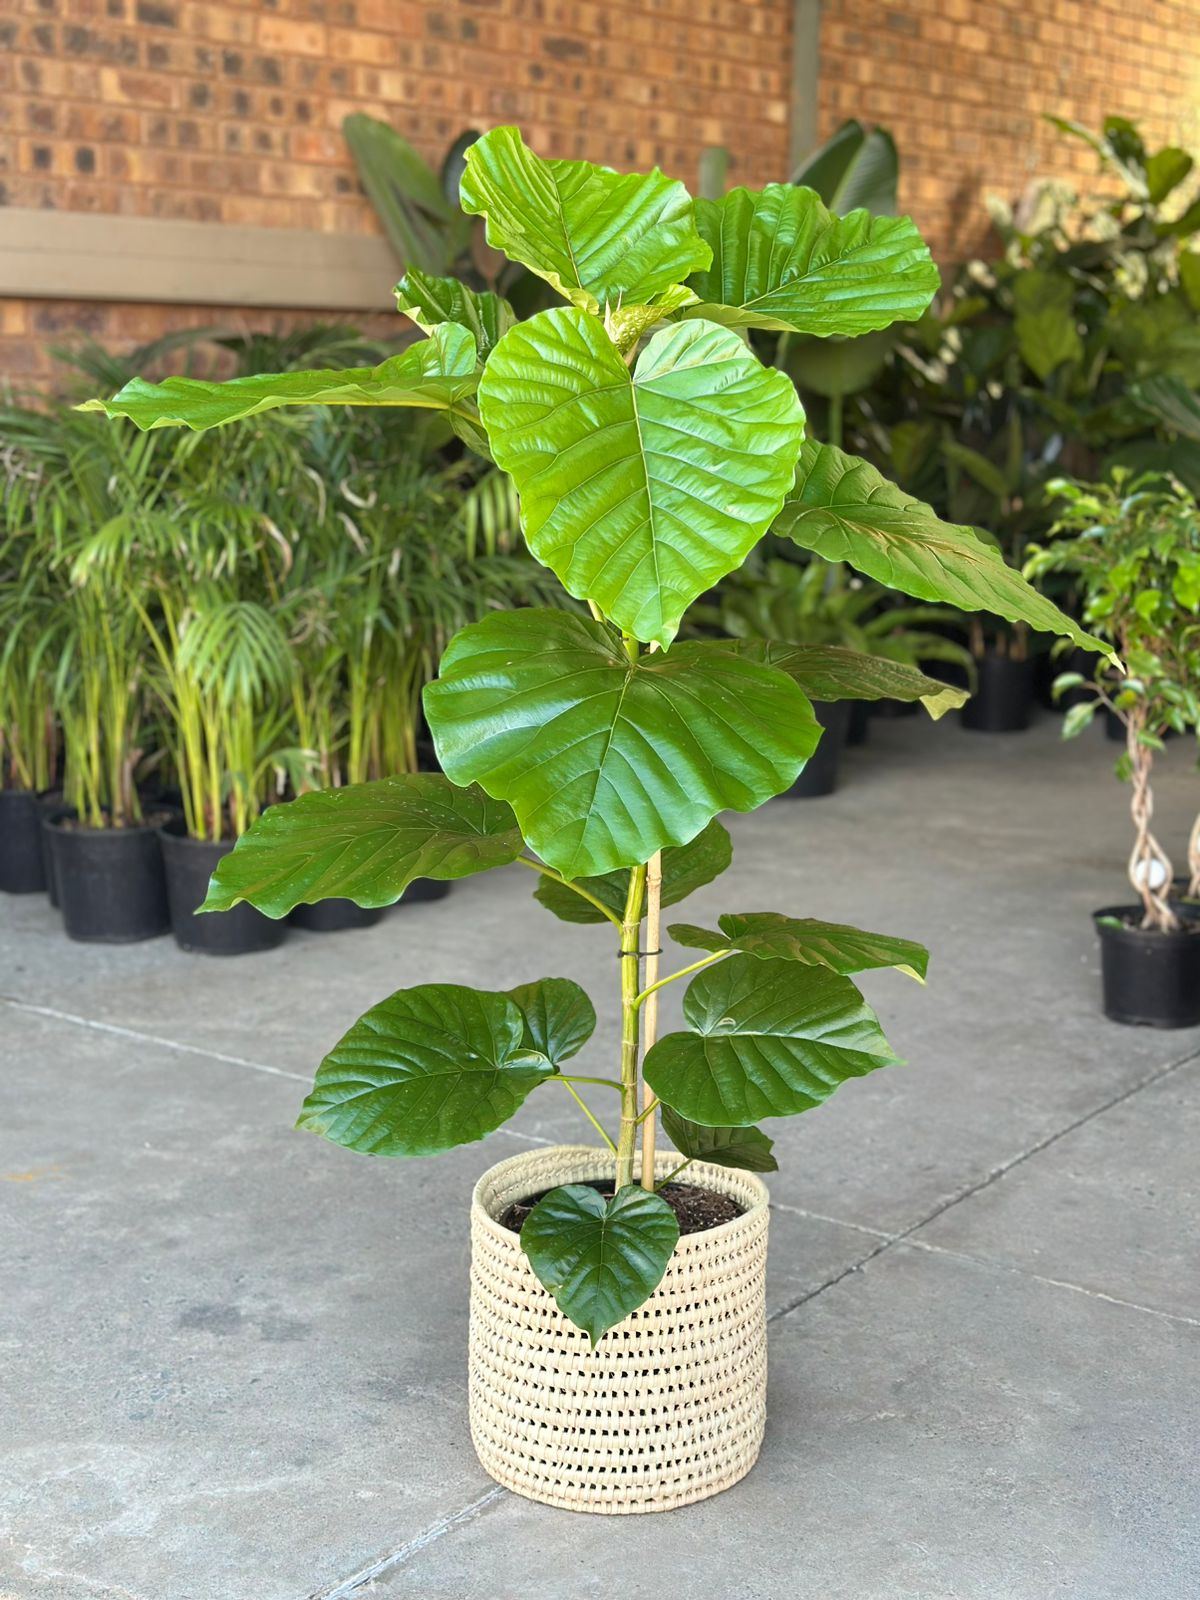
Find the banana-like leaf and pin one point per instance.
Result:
(846, 511)
(599, 237)
(685, 867)
(599, 1259)
(559, 1017)
(782, 261)
(430, 302)
(766, 1040)
(364, 843)
(640, 490)
(854, 168)
(831, 672)
(1171, 402)
(423, 226)
(747, 1149)
(773, 937)
(425, 1070)
(606, 760)
(438, 374)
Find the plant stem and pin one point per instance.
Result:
(674, 1173)
(631, 927)
(650, 1015)
(574, 1077)
(705, 961)
(579, 1101)
(556, 877)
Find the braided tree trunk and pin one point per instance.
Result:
(1147, 854)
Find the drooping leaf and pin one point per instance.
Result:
(599, 237)
(425, 1070)
(846, 511)
(831, 672)
(854, 168)
(559, 1017)
(773, 937)
(766, 1039)
(599, 1259)
(747, 1149)
(1047, 335)
(1165, 170)
(685, 867)
(605, 760)
(639, 490)
(1171, 402)
(436, 374)
(782, 261)
(430, 302)
(364, 843)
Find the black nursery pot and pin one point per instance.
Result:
(110, 881)
(422, 889)
(820, 775)
(190, 863)
(1149, 978)
(21, 869)
(858, 722)
(54, 809)
(1003, 700)
(332, 916)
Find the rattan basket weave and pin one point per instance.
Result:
(669, 1407)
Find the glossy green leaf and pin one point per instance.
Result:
(747, 1149)
(766, 1039)
(425, 1070)
(364, 843)
(605, 760)
(1165, 170)
(782, 261)
(599, 1259)
(1046, 330)
(559, 1017)
(846, 511)
(640, 490)
(436, 374)
(599, 237)
(430, 302)
(423, 227)
(685, 867)
(854, 168)
(830, 672)
(771, 936)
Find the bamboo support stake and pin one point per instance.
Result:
(650, 1009)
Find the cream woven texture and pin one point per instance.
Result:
(670, 1406)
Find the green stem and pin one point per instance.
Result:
(573, 1077)
(578, 1099)
(674, 1173)
(557, 877)
(835, 419)
(631, 928)
(705, 961)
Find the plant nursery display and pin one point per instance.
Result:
(1134, 546)
(617, 1341)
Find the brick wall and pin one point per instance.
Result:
(230, 111)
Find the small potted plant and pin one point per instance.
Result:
(618, 1338)
(1134, 544)
(28, 730)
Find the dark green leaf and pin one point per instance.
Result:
(599, 1259)
(1165, 170)
(767, 1039)
(640, 490)
(685, 867)
(605, 760)
(423, 227)
(425, 1070)
(1045, 323)
(829, 672)
(771, 936)
(559, 1017)
(747, 1149)
(429, 302)
(854, 168)
(1171, 402)
(364, 843)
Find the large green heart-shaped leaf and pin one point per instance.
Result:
(830, 672)
(364, 843)
(846, 511)
(600, 237)
(685, 867)
(425, 1070)
(640, 490)
(559, 1017)
(780, 260)
(438, 373)
(771, 936)
(603, 759)
(599, 1259)
(768, 1039)
(747, 1149)
(430, 302)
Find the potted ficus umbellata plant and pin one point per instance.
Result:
(617, 1358)
(1134, 546)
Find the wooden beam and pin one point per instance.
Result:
(73, 255)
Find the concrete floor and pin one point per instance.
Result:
(235, 1355)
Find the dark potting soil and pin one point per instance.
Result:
(697, 1209)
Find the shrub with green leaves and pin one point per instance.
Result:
(651, 451)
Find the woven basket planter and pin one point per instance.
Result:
(669, 1408)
